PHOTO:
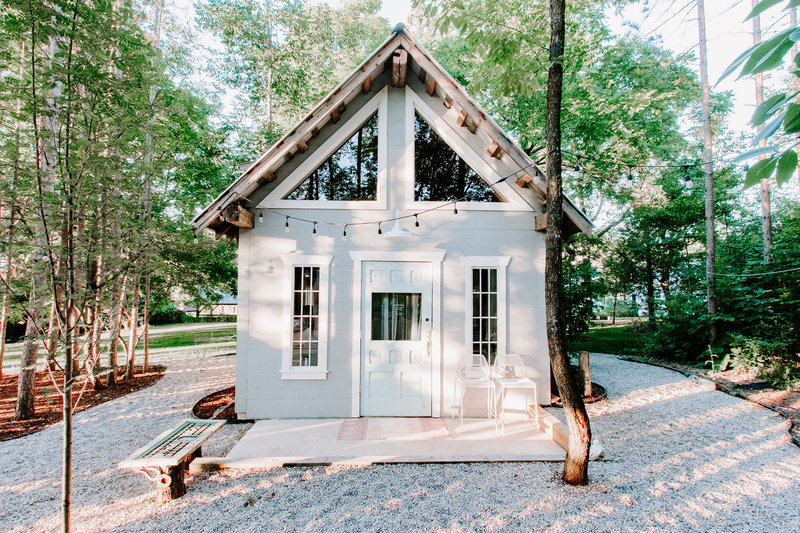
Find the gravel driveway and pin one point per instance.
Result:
(680, 458)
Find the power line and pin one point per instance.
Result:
(758, 274)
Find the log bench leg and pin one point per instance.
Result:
(169, 481)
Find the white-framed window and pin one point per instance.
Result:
(305, 352)
(486, 307)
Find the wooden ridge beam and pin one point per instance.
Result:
(399, 67)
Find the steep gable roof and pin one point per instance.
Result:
(400, 54)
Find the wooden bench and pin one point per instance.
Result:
(165, 459)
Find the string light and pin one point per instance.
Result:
(687, 180)
(260, 217)
(380, 229)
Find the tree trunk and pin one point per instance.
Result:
(713, 332)
(133, 338)
(146, 319)
(763, 189)
(119, 301)
(614, 312)
(651, 294)
(577, 460)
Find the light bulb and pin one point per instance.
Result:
(416, 221)
(344, 233)
(286, 226)
(455, 209)
(314, 231)
(260, 217)
(380, 231)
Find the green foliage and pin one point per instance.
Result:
(582, 285)
(769, 360)
(166, 313)
(284, 56)
(681, 334)
(783, 115)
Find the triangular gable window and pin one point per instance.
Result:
(441, 174)
(350, 173)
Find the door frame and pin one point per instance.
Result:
(435, 258)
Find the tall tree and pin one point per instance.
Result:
(708, 166)
(766, 222)
(577, 460)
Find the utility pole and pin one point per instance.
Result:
(713, 333)
(763, 189)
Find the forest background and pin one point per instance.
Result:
(117, 125)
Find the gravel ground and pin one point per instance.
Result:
(680, 458)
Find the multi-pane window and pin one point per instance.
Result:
(441, 174)
(350, 173)
(305, 316)
(484, 312)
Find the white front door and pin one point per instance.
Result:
(396, 357)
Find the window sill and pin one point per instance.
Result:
(310, 374)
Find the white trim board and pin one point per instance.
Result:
(435, 257)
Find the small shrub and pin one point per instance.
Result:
(166, 314)
(769, 360)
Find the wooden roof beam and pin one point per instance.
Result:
(494, 150)
(238, 216)
(399, 67)
(430, 86)
(466, 121)
(366, 87)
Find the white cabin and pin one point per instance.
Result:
(344, 311)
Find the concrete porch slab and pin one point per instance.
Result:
(364, 441)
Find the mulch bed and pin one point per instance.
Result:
(218, 405)
(47, 403)
(598, 394)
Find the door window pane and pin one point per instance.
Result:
(396, 316)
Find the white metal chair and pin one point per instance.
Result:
(510, 373)
(475, 374)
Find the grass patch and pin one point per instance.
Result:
(192, 338)
(622, 340)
